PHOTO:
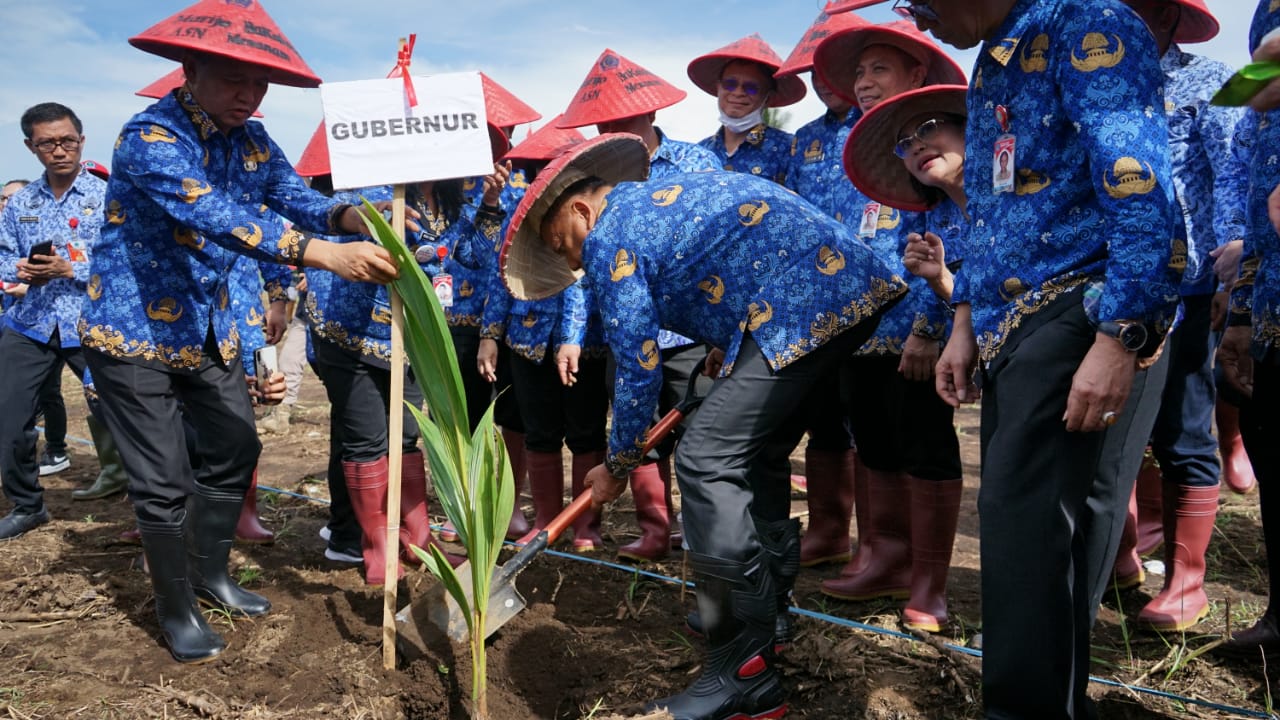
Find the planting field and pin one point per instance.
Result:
(78, 637)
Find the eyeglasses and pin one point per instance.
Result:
(47, 146)
(916, 10)
(732, 84)
(927, 129)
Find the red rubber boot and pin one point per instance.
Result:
(249, 527)
(651, 514)
(830, 499)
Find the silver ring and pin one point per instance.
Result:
(1109, 418)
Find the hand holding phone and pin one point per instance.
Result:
(265, 364)
(42, 248)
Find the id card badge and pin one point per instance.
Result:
(870, 220)
(443, 284)
(76, 251)
(1002, 168)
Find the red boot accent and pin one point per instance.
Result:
(1237, 471)
(367, 486)
(586, 529)
(935, 510)
(887, 571)
(415, 519)
(1189, 513)
(1127, 572)
(546, 484)
(1150, 490)
(249, 527)
(673, 518)
(830, 499)
(651, 514)
(514, 442)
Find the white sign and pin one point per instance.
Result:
(375, 138)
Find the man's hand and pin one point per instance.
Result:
(715, 361)
(567, 363)
(605, 488)
(487, 359)
(1268, 49)
(269, 393)
(1235, 360)
(953, 376)
(1226, 263)
(919, 356)
(1100, 386)
(16, 290)
(354, 261)
(40, 269)
(351, 221)
(276, 321)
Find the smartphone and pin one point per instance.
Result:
(265, 364)
(44, 248)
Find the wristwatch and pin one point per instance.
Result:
(1132, 335)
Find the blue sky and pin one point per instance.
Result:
(76, 52)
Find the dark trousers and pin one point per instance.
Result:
(900, 425)
(478, 391)
(1051, 509)
(343, 526)
(144, 407)
(731, 463)
(506, 407)
(1182, 440)
(54, 410)
(555, 415)
(27, 365)
(360, 400)
(678, 366)
(1260, 427)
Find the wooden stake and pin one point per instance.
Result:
(395, 452)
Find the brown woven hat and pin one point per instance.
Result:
(705, 71)
(615, 89)
(530, 270)
(548, 142)
(868, 153)
(236, 29)
(801, 57)
(166, 84)
(836, 59)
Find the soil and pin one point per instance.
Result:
(78, 636)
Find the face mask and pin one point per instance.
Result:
(745, 123)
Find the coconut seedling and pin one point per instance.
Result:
(470, 472)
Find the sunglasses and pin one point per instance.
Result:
(916, 10)
(927, 130)
(731, 85)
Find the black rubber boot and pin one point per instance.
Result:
(189, 637)
(211, 525)
(781, 542)
(737, 605)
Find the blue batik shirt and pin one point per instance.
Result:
(471, 273)
(1210, 182)
(72, 223)
(249, 280)
(766, 152)
(183, 202)
(673, 157)
(1082, 87)
(714, 256)
(1255, 298)
(816, 168)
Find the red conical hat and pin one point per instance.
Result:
(705, 71)
(166, 84)
(315, 158)
(1197, 23)
(615, 89)
(237, 29)
(801, 58)
(839, 6)
(547, 143)
(503, 108)
(836, 59)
